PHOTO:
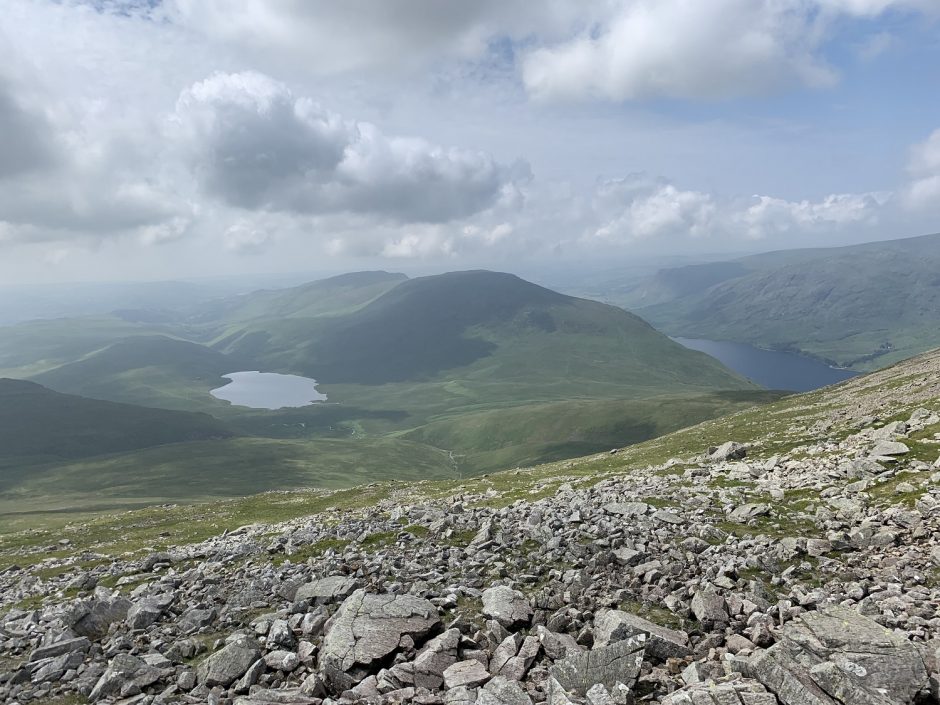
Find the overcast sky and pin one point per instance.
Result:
(199, 137)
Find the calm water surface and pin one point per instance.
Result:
(769, 368)
(267, 390)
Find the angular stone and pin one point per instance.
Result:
(366, 629)
(282, 660)
(144, 613)
(709, 608)
(889, 448)
(878, 658)
(502, 691)
(437, 656)
(662, 643)
(124, 670)
(727, 451)
(786, 678)
(507, 606)
(229, 663)
(746, 512)
(619, 662)
(468, 674)
(97, 615)
(283, 696)
(326, 591)
(846, 689)
(66, 646)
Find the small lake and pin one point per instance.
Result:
(770, 368)
(267, 390)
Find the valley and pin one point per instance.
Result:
(444, 376)
(859, 307)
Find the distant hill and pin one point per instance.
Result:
(335, 295)
(485, 325)
(39, 424)
(861, 306)
(146, 369)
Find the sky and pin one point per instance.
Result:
(184, 138)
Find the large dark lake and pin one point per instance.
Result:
(266, 390)
(769, 368)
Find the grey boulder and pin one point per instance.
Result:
(229, 663)
(507, 606)
(367, 628)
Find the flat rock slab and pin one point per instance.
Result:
(502, 691)
(368, 627)
(284, 696)
(889, 448)
(465, 673)
(662, 643)
(875, 656)
(619, 662)
(326, 591)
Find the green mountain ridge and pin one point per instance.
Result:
(860, 306)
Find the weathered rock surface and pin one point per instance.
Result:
(369, 627)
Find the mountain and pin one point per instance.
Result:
(38, 424)
(861, 306)
(785, 555)
(330, 296)
(483, 326)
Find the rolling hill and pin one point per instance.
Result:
(490, 326)
(38, 424)
(862, 306)
(152, 370)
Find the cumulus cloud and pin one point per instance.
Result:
(772, 216)
(923, 192)
(62, 179)
(700, 50)
(638, 207)
(680, 49)
(255, 145)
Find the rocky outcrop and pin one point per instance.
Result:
(366, 629)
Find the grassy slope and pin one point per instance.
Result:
(37, 423)
(213, 469)
(772, 429)
(149, 370)
(861, 306)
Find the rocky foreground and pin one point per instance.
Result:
(800, 567)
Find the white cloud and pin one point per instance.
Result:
(639, 208)
(683, 49)
(923, 191)
(773, 216)
(255, 145)
(690, 49)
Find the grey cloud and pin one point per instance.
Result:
(256, 146)
(27, 143)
